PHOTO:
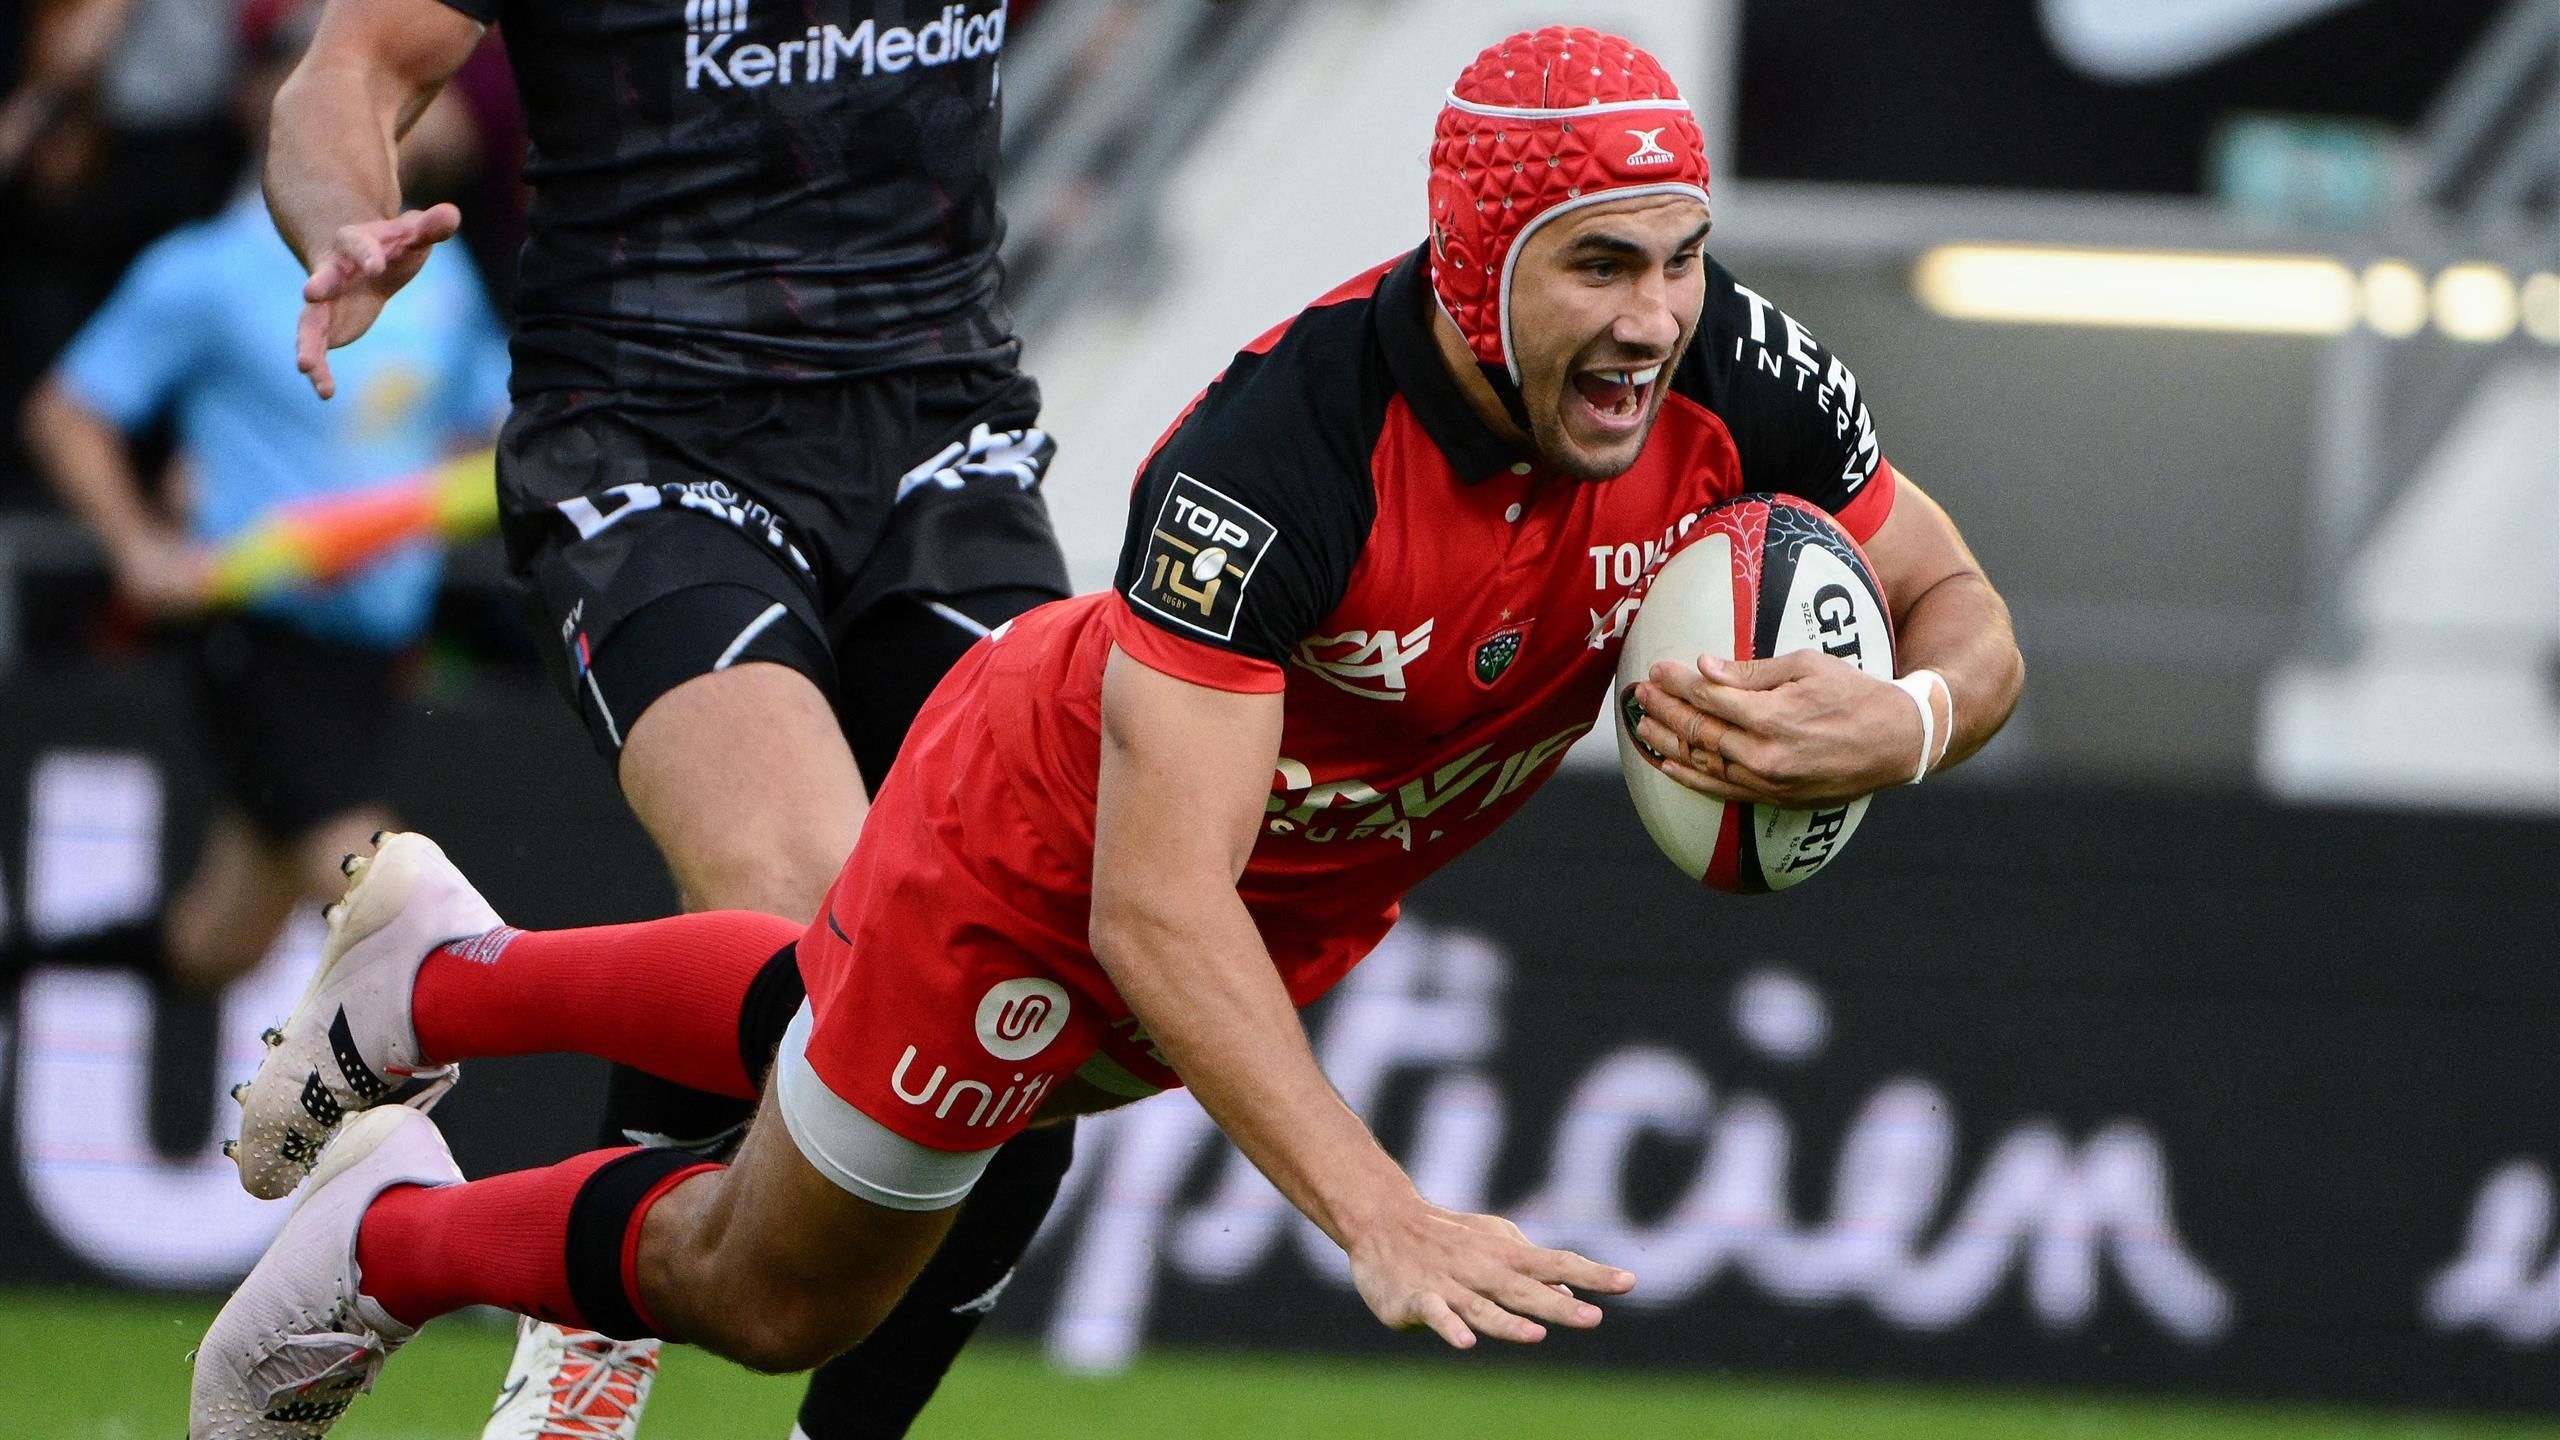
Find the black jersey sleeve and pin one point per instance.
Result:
(484, 11)
(1795, 412)
(1246, 523)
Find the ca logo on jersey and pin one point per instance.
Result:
(1200, 556)
(1368, 663)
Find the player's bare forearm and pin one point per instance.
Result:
(1947, 617)
(1960, 628)
(330, 160)
(332, 150)
(1185, 772)
(1170, 930)
(1195, 973)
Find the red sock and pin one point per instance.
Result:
(559, 1244)
(662, 996)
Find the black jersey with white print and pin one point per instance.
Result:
(732, 191)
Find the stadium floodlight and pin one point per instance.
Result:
(2160, 289)
(2540, 307)
(2476, 303)
(2395, 299)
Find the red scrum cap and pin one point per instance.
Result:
(1543, 123)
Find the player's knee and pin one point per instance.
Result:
(780, 869)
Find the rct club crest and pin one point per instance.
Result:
(1495, 652)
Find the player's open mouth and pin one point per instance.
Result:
(1617, 399)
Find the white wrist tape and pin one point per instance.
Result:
(1917, 685)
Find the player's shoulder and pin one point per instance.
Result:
(1747, 344)
(1790, 402)
(1249, 518)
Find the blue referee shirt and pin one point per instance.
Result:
(201, 329)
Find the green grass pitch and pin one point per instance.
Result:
(92, 1367)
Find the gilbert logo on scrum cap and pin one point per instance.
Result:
(1649, 149)
(1200, 556)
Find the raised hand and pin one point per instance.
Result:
(1462, 1275)
(365, 265)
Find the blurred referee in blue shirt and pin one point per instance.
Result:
(300, 689)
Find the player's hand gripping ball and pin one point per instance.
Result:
(1757, 576)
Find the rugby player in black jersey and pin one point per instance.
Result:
(771, 469)
(1359, 617)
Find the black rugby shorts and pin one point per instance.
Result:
(862, 532)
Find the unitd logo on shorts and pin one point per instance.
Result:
(1495, 652)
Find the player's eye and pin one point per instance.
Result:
(1601, 269)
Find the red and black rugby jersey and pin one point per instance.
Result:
(1330, 519)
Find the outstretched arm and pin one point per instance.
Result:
(333, 172)
(1185, 771)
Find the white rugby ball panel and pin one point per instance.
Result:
(1695, 606)
(1828, 604)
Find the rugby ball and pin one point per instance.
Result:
(1757, 576)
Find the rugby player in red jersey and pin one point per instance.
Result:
(1362, 610)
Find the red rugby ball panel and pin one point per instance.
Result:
(1757, 576)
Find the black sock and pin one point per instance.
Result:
(773, 998)
(875, 1390)
(599, 1223)
(641, 1109)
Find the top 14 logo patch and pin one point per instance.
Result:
(1200, 556)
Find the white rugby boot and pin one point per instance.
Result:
(350, 1044)
(566, 1384)
(297, 1343)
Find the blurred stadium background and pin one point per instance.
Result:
(2179, 1067)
